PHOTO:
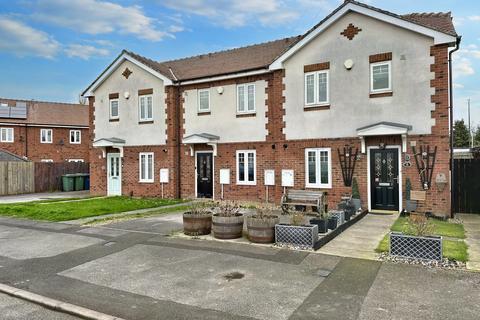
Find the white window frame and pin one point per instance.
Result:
(245, 98)
(246, 182)
(110, 108)
(318, 184)
(140, 97)
(7, 130)
(372, 65)
(75, 137)
(146, 154)
(200, 110)
(46, 135)
(46, 160)
(76, 160)
(316, 95)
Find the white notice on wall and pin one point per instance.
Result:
(224, 176)
(269, 177)
(287, 178)
(164, 175)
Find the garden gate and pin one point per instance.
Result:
(466, 189)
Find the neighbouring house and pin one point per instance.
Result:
(45, 131)
(217, 124)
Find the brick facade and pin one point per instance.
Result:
(278, 153)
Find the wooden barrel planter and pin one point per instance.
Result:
(197, 224)
(230, 227)
(262, 230)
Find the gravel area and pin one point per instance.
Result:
(444, 264)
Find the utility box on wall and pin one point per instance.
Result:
(288, 178)
(224, 176)
(269, 177)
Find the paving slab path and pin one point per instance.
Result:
(43, 196)
(361, 239)
(471, 223)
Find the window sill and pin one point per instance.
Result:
(246, 115)
(203, 113)
(6, 141)
(381, 94)
(147, 181)
(46, 142)
(114, 120)
(239, 183)
(318, 187)
(75, 143)
(316, 107)
(145, 122)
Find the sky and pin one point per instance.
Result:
(53, 49)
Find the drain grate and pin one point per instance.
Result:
(234, 276)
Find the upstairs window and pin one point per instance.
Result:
(316, 88)
(46, 136)
(6, 134)
(75, 136)
(113, 108)
(145, 107)
(318, 168)
(146, 167)
(381, 76)
(246, 98)
(246, 167)
(203, 100)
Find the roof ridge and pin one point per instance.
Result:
(228, 50)
(43, 101)
(429, 14)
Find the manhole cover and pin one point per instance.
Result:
(234, 276)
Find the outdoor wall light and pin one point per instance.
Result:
(126, 94)
(273, 146)
(285, 146)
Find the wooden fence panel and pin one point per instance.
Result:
(466, 191)
(16, 177)
(48, 175)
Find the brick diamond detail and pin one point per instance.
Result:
(126, 73)
(350, 32)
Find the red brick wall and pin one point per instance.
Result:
(27, 144)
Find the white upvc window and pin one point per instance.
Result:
(318, 168)
(246, 98)
(146, 167)
(114, 113)
(76, 160)
(75, 136)
(247, 167)
(145, 106)
(46, 135)
(381, 76)
(6, 135)
(317, 88)
(204, 100)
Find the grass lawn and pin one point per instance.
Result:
(454, 248)
(63, 211)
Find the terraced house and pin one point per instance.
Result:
(364, 90)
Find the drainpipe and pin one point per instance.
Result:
(450, 85)
(178, 134)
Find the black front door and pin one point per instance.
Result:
(204, 175)
(384, 179)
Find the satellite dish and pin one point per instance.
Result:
(348, 64)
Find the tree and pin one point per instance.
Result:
(461, 136)
(476, 137)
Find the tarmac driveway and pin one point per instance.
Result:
(136, 271)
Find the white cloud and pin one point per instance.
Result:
(100, 17)
(85, 52)
(23, 40)
(474, 18)
(236, 13)
(458, 86)
(462, 67)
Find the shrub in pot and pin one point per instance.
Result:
(227, 222)
(321, 221)
(356, 202)
(410, 205)
(261, 225)
(197, 220)
(332, 222)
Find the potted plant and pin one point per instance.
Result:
(332, 221)
(356, 202)
(410, 205)
(417, 240)
(227, 223)
(197, 220)
(296, 233)
(321, 221)
(261, 225)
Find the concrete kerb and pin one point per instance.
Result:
(56, 305)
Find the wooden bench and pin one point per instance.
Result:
(314, 199)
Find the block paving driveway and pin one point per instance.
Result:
(136, 270)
